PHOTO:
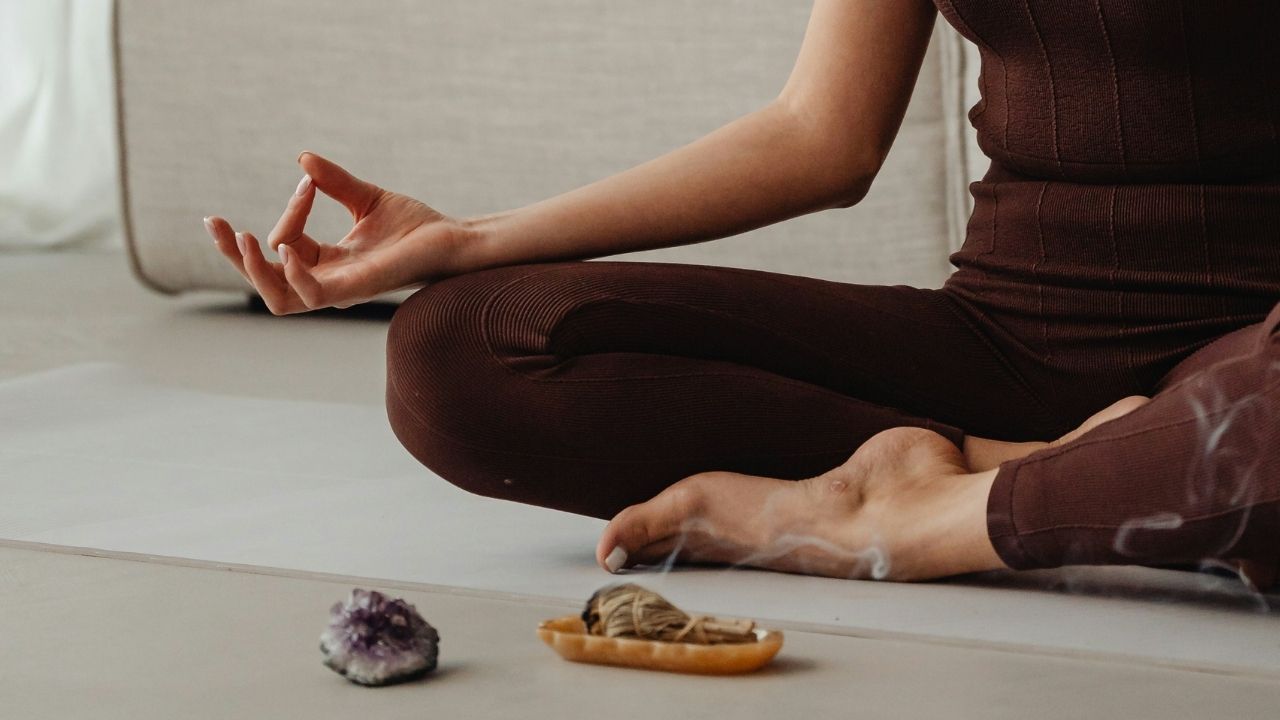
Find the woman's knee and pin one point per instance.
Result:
(431, 338)
(451, 398)
(434, 393)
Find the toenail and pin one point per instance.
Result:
(617, 557)
(839, 486)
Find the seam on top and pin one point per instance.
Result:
(1053, 92)
(1191, 88)
(982, 81)
(1115, 84)
(1122, 314)
(1035, 270)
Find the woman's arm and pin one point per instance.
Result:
(817, 146)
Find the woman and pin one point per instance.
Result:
(1122, 245)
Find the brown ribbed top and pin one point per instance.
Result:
(1134, 187)
(1127, 90)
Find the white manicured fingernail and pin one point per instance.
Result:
(303, 184)
(240, 243)
(208, 227)
(284, 253)
(617, 557)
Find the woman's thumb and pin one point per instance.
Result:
(331, 179)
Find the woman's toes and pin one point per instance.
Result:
(1117, 409)
(647, 532)
(715, 517)
(982, 454)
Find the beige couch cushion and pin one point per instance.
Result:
(480, 105)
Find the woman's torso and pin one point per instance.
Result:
(1125, 91)
(1134, 189)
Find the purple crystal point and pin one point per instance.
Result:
(372, 640)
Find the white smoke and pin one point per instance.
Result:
(1224, 471)
(831, 559)
(1158, 521)
(1230, 437)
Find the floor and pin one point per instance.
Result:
(134, 639)
(114, 571)
(63, 308)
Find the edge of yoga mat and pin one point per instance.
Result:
(967, 612)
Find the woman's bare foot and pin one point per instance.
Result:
(903, 507)
(983, 454)
(908, 505)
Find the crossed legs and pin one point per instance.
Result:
(594, 387)
(1193, 475)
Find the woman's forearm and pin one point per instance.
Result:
(767, 166)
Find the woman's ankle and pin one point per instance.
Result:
(982, 454)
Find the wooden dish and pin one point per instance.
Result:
(568, 636)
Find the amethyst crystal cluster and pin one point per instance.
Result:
(373, 640)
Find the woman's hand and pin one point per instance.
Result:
(395, 242)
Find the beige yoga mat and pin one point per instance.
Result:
(99, 456)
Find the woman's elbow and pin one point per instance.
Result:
(852, 193)
(840, 161)
(849, 189)
(847, 172)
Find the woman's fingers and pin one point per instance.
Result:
(297, 272)
(289, 228)
(330, 285)
(355, 194)
(225, 240)
(267, 278)
(293, 285)
(288, 287)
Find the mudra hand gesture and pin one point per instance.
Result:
(395, 242)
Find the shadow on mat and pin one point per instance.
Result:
(378, 310)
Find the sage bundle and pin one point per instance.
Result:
(631, 611)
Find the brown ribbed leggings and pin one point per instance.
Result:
(591, 386)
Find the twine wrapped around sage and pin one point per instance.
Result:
(629, 610)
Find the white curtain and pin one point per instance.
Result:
(58, 162)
